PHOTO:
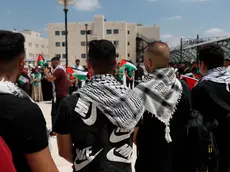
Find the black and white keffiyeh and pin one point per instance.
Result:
(120, 104)
(217, 75)
(7, 87)
(161, 92)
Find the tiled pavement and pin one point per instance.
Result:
(62, 165)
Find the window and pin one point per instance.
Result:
(128, 43)
(128, 55)
(58, 44)
(64, 56)
(83, 56)
(63, 44)
(58, 55)
(63, 32)
(57, 33)
(83, 43)
(117, 55)
(43, 46)
(36, 45)
(89, 32)
(116, 43)
(108, 31)
(115, 31)
(128, 32)
(30, 44)
(82, 32)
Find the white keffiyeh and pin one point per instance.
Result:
(7, 87)
(161, 92)
(218, 75)
(120, 104)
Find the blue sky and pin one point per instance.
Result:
(177, 18)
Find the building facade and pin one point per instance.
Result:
(35, 45)
(122, 34)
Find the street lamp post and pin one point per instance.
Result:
(66, 3)
(86, 39)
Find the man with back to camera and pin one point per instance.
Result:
(94, 125)
(22, 124)
(159, 137)
(60, 87)
(211, 97)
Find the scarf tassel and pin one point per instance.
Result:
(227, 87)
(167, 134)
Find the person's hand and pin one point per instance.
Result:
(46, 70)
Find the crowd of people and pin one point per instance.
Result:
(175, 129)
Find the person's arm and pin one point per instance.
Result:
(52, 77)
(126, 74)
(63, 130)
(49, 77)
(135, 135)
(41, 161)
(32, 139)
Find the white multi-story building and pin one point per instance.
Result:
(122, 34)
(35, 45)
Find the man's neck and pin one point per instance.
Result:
(10, 78)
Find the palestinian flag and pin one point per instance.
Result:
(40, 61)
(128, 65)
(22, 80)
(190, 81)
(79, 74)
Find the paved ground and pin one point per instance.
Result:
(62, 165)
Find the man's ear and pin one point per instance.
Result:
(115, 64)
(150, 63)
(89, 66)
(22, 64)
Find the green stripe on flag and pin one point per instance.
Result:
(41, 63)
(22, 80)
(81, 75)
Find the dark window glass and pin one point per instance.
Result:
(57, 33)
(108, 31)
(115, 31)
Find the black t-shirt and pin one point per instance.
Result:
(154, 153)
(23, 128)
(98, 145)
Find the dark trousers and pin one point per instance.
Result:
(129, 83)
(54, 110)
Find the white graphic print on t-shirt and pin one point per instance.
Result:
(120, 134)
(84, 157)
(121, 154)
(82, 108)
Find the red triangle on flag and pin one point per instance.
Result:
(122, 62)
(40, 58)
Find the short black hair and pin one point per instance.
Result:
(77, 60)
(55, 59)
(102, 55)
(212, 55)
(11, 46)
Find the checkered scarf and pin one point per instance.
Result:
(7, 87)
(120, 104)
(161, 92)
(217, 75)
